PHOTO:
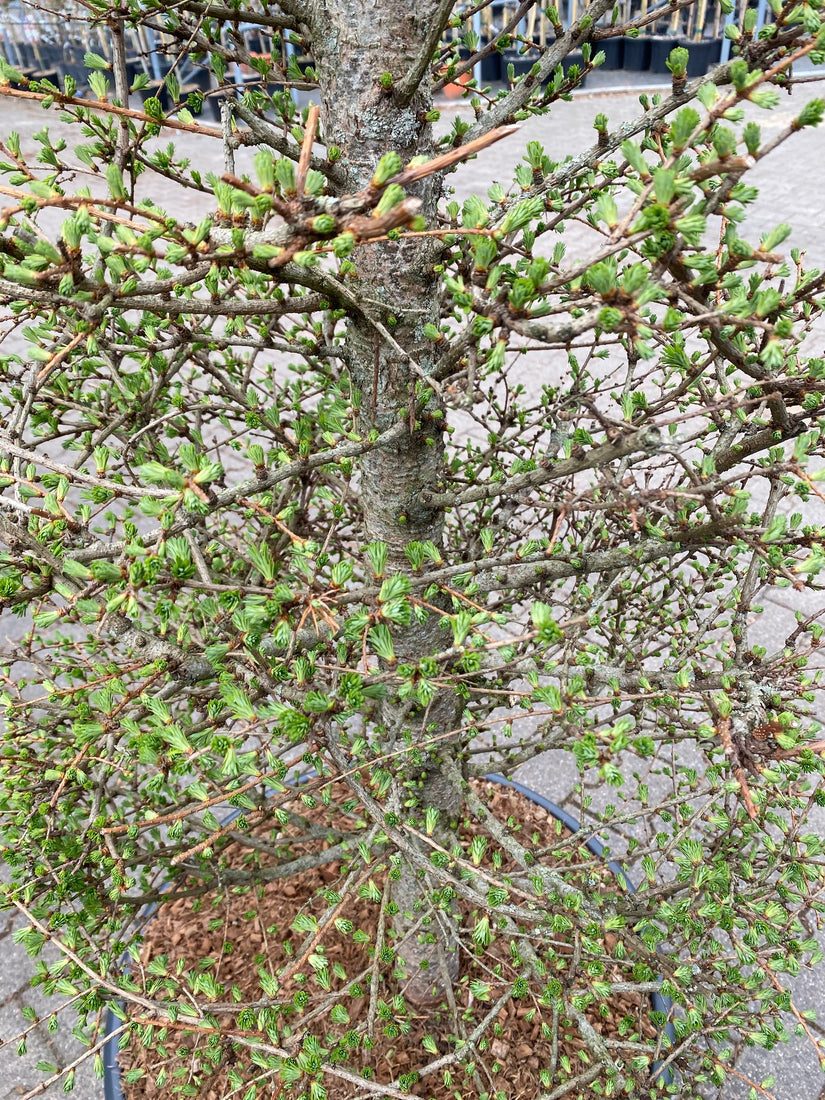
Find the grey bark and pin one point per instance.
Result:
(354, 45)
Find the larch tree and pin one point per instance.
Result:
(341, 479)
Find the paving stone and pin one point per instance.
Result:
(58, 1048)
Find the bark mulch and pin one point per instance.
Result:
(339, 986)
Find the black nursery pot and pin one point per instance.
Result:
(701, 55)
(112, 1089)
(637, 54)
(490, 66)
(613, 50)
(111, 1070)
(522, 64)
(660, 47)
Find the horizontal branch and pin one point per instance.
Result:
(545, 331)
(202, 307)
(240, 877)
(102, 106)
(644, 20)
(659, 679)
(647, 440)
(250, 486)
(257, 18)
(135, 492)
(760, 441)
(154, 299)
(527, 574)
(509, 572)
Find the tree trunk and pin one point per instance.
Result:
(397, 286)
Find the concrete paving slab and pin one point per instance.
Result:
(19, 1074)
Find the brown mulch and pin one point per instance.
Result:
(244, 933)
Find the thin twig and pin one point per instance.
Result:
(306, 149)
(723, 728)
(111, 1037)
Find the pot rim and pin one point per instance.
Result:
(658, 1002)
(111, 1070)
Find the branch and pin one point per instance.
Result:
(111, 109)
(564, 332)
(621, 29)
(660, 680)
(300, 12)
(262, 133)
(551, 880)
(555, 883)
(250, 487)
(252, 307)
(515, 100)
(240, 877)
(537, 571)
(81, 1058)
(607, 142)
(93, 975)
(409, 84)
(121, 89)
(647, 440)
(261, 19)
(760, 441)
(124, 993)
(723, 728)
(490, 48)
(19, 539)
(306, 149)
(510, 571)
(136, 492)
(573, 1083)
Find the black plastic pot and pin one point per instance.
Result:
(51, 75)
(111, 1070)
(491, 68)
(522, 63)
(637, 54)
(50, 55)
(702, 55)
(71, 64)
(613, 50)
(660, 47)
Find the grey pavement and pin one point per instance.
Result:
(791, 190)
(49, 1043)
